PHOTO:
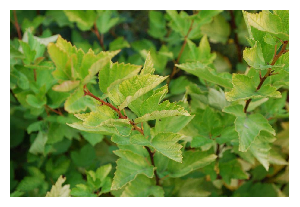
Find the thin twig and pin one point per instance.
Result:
(236, 38)
(53, 110)
(17, 25)
(100, 37)
(270, 71)
(174, 71)
(13, 94)
(152, 162)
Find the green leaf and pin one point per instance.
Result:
(206, 73)
(93, 139)
(148, 66)
(260, 148)
(118, 43)
(82, 190)
(179, 22)
(128, 167)
(97, 66)
(283, 61)
(157, 24)
(142, 186)
(38, 145)
(131, 89)
(60, 58)
(234, 109)
(120, 127)
(165, 143)
(249, 127)
(172, 124)
(66, 86)
(202, 53)
(217, 99)
(105, 21)
(77, 102)
(95, 118)
(230, 168)
(99, 180)
(191, 161)
(254, 57)
(28, 52)
(115, 73)
(244, 88)
(84, 19)
(84, 157)
(34, 101)
(103, 120)
(267, 22)
(218, 30)
(151, 109)
(58, 190)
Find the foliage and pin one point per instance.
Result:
(149, 103)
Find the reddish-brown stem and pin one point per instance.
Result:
(34, 75)
(236, 38)
(152, 162)
(53, 110)
(40, 27)
(121, 116)
(17, 25)
(174, 71)
(100, 37)
(270, 71)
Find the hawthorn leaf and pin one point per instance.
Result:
(84, 157)
(172, 124)
(244, 88)
(132, 88)
(216, 98)
(142, 186)
(192, 160)
(99, 115)
(267, 22)
(249, 127)
(66, 86)
(165, 143)
(218, 30)
(234, 109)
(60, 59)
(157, 25)
(179, 22)
(151, 109)
(231, 168)
(58, 190)
(105, 21)
(283, 61)
(34, 101)
(254, 57)
(38, 145)
(129, 165)
(82, 190)
(95, 68)
(93, 139)
(118, 43)
(77, 102)
(120, 127)
(260, 148)
(84, 19)
(204, 72)
(203, 54)
(148, 65)
(120, 140)
(115, 73)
